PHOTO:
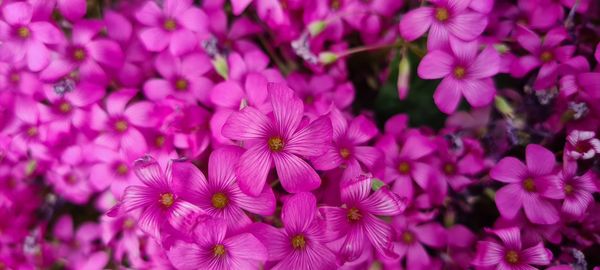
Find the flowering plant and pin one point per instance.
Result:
(316, 134)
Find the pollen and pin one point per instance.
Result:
(442, 14)
(219, 250)
(23, 32)
(167, 199)
(459, 72)
(170, 25)
(276, 144)
(449, 169)
(529, 184)
(15, 77)
(32, 131)
(181, 85)
(354, 214)
(404, 167)
(512, 257)
(408, 237)
(79, 54)
(569, 189)
(546, 56)
(298, 241)
(122, 169)
(345, 153)
(219, 200)
(121, 126)
(159, 141)
(65, 107)
(129, 223)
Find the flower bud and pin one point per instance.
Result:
(403, 77)
(327, 58)
(316, 28)
(220, 65)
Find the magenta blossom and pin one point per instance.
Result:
(23, 39)
(465, 73)
(157, 198)
(582, 144)
(215, 248)
(356, 222)
(446, 20)
(544, 53)
(175, 26)
(412, 237)
(577, 190)
(510, 254)
(220, 196)
(281, 139)
(301, 243)
(530, 186)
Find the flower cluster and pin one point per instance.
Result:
(316, 134)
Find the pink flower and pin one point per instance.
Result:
(446, 20)
(175, 26)
(582, 144)
(510, 254)
(88, 53)
(577, 190)
(301, 243)
(281, 139)
(23, 38)
(531, 187)
(464, 72)
(214, 247)
(158, 200)
(357, 222)
(181, 78)
(411, 238)
(544, 52)
(220, 196)
(348, 150)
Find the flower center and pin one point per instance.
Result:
(449, 169)
(583, 146)
(122, 169)
(71, 179)
(32, 132)
(512, 257)
(170, 25)
(159, 141)
(529, 184)
(404, 167)
(121, 126)
(298, 242)
(181, 85)
(23, 32)
(309, 99)
(459, 72)
(128, 224)
(408, 237)
(569, 189)
(276, 144)
(345, 153)
(442, 14)
(15, 77)
(335, 4)
(546, 56)
(167, 199)
(219, 250)
(65, 107)
(79, 54)
(219, 200)
(354, 214)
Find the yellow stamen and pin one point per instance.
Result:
(459, 72)
(219, 250)
(408, 237)
(65, 107)
(529, 185)
(170, 25)
(181, 85)
(167, 199)
(354, 214)
(298, 241)
(122, 169)
(219, 200)
(79, 54)
(276, 144)
(404, 167)
(442, 14)
(345, 153)
(23, 32)
(121, 126)
(512, 257)
(546, 56)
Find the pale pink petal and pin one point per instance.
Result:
(154, 39)
(46, 32)
(188, 181)
(295, 174)
(576, 204)
(383, 202)
(182, 41)
(174, 8)
(467, 26)
(415, 23)
(149, 172)
(246, 246)
(509, 170)
(485, 65)
(479, 93)
(253, 168)
(194, 19)
(380, 235)
(17, 13)
(509, 200)
(239, 6)
(432, 234)
(141, 114)
(298, 212)
(263, 204)
(536, 255)
(157, 89)
(361, 129)
(488, 254)
(447, 95)
(149, 14)
(436, 64)
(72, 9)
(353, 245)
(138, 197)
(247, 124)
(116, 102)
(540, 161)
(310, 140)
(227, 94)
(106, 52)
(287, 108)
(151, 220)
(38, 56)
(356, 190)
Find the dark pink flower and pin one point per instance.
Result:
(214, 247)
(357, 222)
(300, 244)
(410, 239)
(281, 140)
(510, 253)
(464, 72)
(531, 187)
(582, 144)
(577, 190)
(446, 20)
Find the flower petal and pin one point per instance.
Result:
(436, 64)
(149, 172)
(287, 108)
(539, 210)
(295, 174)
(247, 124)
(253, 168)
(540, 161)
(415, 23)
(509, 200)
(447, 95)
(509, 170)
(309, 141)
(383, 202)
(298, 212)
(479, 93)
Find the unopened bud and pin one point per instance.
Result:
(327, 58)
(403, 77)
(220, 65)
(504, 107)
(316, 28)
